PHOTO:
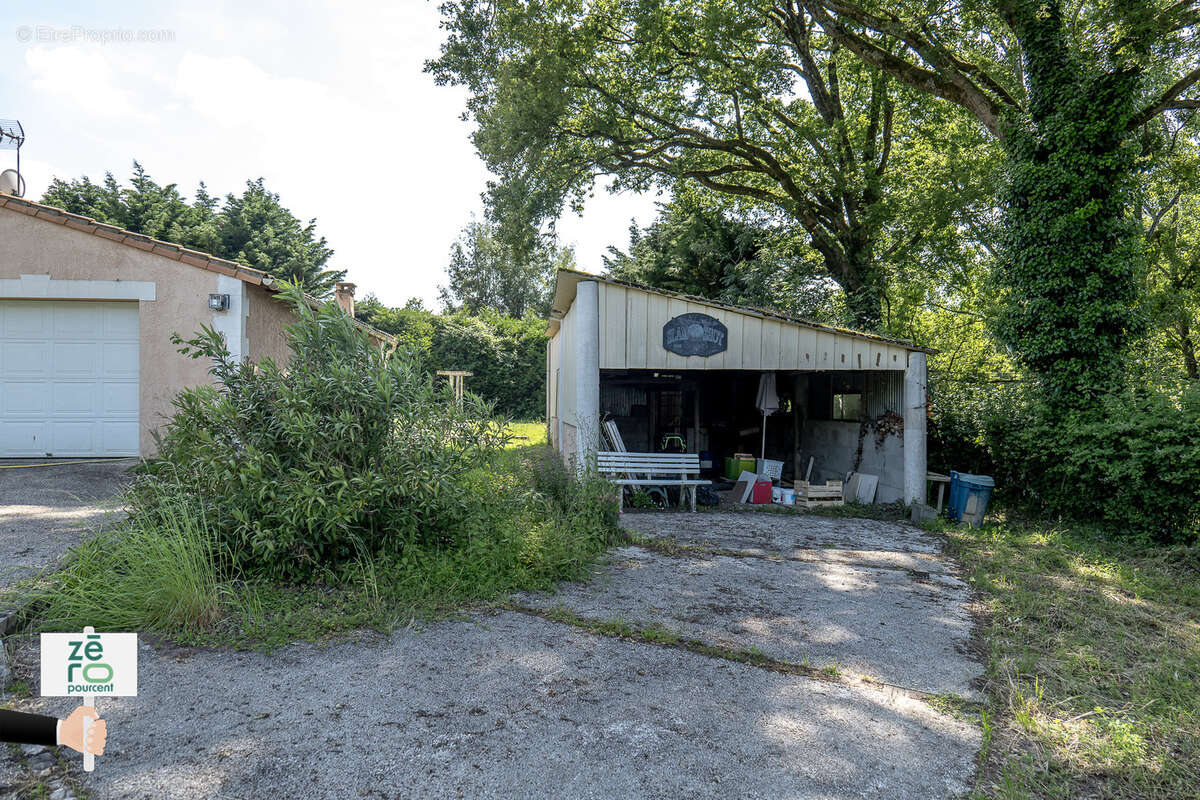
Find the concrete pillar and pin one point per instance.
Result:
(232, 321)
(914, 429)
(586, 352)
(549, 388)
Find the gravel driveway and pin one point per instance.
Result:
(46, 506)
(532, 702)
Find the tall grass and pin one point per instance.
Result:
(1093, 662)
(156, 572)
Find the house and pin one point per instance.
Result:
(87, 310)
(664, 365)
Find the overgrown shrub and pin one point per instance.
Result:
(347, 452)
(1129, 462)
(1132, 463)
(961, 416)
(347, 490)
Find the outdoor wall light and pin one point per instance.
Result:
(218, 302)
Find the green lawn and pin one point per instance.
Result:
(1093, 663)
(526, 434)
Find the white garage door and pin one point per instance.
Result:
(68, 378)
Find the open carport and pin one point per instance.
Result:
(666, 368)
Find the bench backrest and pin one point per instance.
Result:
(681, 463)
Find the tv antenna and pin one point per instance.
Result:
(12, 136)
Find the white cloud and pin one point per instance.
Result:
(83, 76)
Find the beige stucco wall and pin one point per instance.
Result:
(29, 246)
(265, 325)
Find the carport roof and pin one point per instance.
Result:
(193, 258)
(568, 279)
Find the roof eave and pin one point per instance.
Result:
(564, 296)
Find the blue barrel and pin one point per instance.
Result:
(969, 495)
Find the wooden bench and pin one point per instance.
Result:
(652, 469)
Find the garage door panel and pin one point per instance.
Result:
(77, 359)
(74, 399)
(23, 439)
(84, 321)
(120, 360)
(25, 320)
(74, 438)
(25, 398)
(25, 359)
(68, 378)
(119, 398)
(117, 435)
(119, 325)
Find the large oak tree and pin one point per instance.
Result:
(729, 96)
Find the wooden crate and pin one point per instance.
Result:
(811, 495)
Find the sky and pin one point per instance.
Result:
(327, 101)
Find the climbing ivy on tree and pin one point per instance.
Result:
(1066, 95)
(1070, 258)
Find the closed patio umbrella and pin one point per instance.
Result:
(767, 402)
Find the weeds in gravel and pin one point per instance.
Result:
(954, 705)
(665, 546)
(1093, 663)
(158, 572)
(653, 633)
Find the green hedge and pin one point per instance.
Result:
(1130, 462)
(506, 355)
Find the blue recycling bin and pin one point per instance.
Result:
(969, 495)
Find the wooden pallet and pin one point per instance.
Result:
(811, 495)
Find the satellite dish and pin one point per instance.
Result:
(12, 183)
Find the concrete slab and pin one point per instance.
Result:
(44, 510)
(881, 623)
(798, 536)
(513, 706)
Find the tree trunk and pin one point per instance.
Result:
(852, 265)
(1188, 348)
(1069, 255)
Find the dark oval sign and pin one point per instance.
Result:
(695, 335)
